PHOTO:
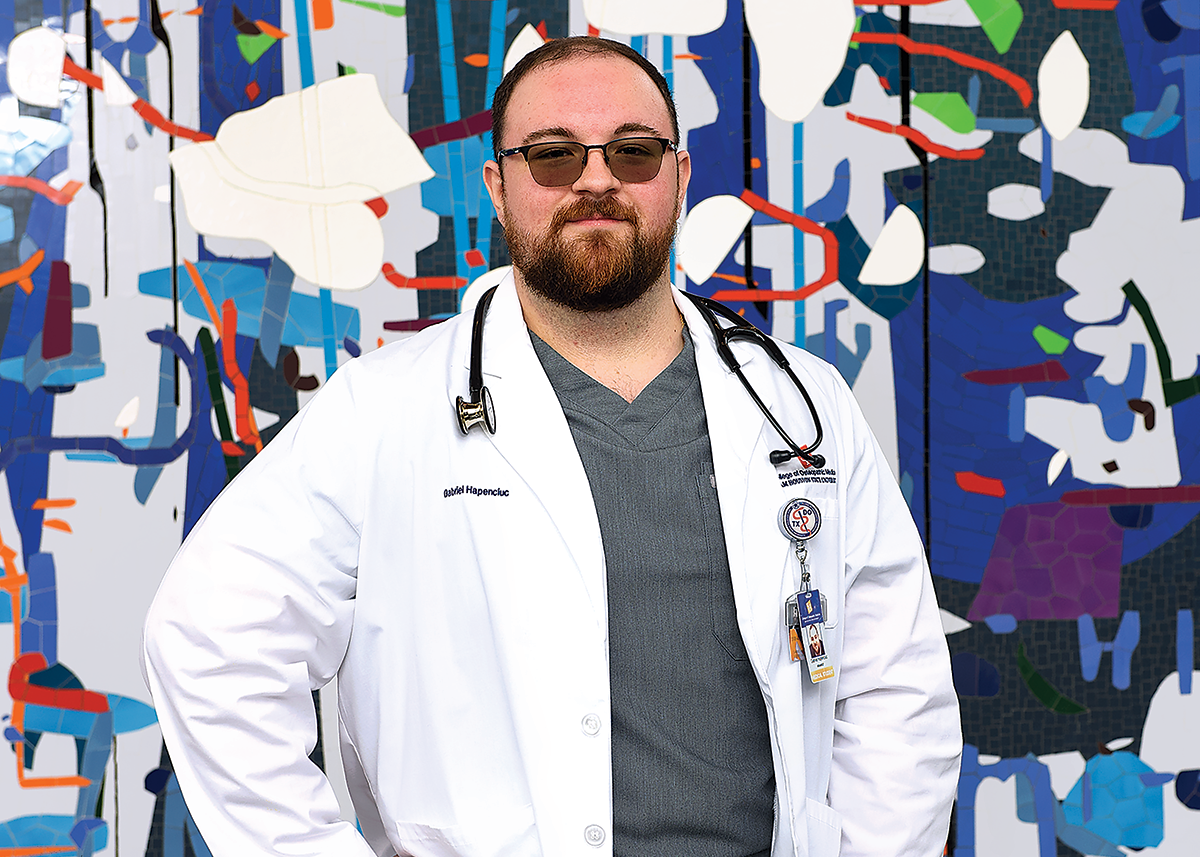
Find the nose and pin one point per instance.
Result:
(596, 177)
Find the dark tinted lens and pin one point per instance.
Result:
(635, 159)
(555, 164)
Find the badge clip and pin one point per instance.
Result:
(804, 612)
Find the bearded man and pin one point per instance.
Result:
(566, 632)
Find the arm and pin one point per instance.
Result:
(897, 738)
(252, 616)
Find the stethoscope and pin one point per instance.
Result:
(480, 409)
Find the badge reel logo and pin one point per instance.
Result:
(799, 520)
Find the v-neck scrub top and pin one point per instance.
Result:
(691, 755)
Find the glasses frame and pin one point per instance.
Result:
(523, 151)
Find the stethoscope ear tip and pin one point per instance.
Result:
(783, 456)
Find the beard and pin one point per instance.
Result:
(596, 272)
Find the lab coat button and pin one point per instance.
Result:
(591, 724)
(594, 834)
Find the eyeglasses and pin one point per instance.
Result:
(559, 163)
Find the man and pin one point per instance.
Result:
(815, 647)
(566, 637)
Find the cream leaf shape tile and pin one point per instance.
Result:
(710, 230)
(326, 235)
(34, 66)
(295, 173)
(334, 133)
(526, 41)
(1015, 202)
(1064, 86)
(801, 50)
(955, 259)
(634, 17)
(1055, 468)
(898, 253)
(128, 415)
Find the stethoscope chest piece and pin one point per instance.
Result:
(476, 413)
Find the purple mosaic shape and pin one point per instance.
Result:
(1052, 561)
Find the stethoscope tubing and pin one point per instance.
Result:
(480, 410)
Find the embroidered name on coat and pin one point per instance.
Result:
(478, 492)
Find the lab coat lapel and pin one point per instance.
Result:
(760, 562)
(747, 487)
(533, 436)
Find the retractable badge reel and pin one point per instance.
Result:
(804, 612)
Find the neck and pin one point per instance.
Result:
(623, 349)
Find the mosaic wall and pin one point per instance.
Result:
(985, 213)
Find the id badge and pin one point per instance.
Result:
(806, 634)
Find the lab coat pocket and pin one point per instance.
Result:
(824, 829)
(510, 834)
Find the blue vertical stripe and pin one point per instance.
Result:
(483, 224)
(668, 69)
(327, 339)
(449, 66)
(798, 334)
(304, 43)
(452, 112)
(1047, 175)
(496, 49)
(304, 49)
(1184, 631)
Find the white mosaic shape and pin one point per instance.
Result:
(1064, 87)
(1078, 429)
(801, 50)
(1015, 202)
(952, 624)
(1055, 468)
(947, 13)
(1065, 770)
(34, 67)
(898, 253)
(635, 17)
(295, 173)
(955, 259)
(1171, 742)
(526, 41)
(998, 830)
(128, 415)
(710, 230)
(116, 91)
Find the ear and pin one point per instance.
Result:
(684, 160)
(495, 188)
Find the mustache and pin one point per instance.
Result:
(583, 208)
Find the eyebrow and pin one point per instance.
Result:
(559, 133)
(555, 133)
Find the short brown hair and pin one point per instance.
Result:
(558, 50)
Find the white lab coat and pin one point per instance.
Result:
(468, 630)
